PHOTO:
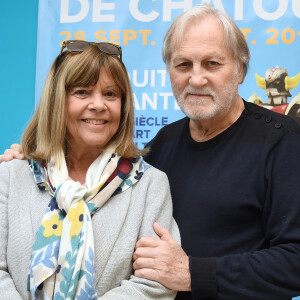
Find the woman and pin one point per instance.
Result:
(72, 213)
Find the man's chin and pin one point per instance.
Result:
(199, 114)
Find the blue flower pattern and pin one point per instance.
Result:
(53, 204)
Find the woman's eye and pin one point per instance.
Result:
(111, 94)
(80, 92)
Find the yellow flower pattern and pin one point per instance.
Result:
(53, 226)
(75, 216)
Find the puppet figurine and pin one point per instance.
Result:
(277, 84)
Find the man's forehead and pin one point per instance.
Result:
(201, 38)
(203, 50)
(195, 29)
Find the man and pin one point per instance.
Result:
(234, 171)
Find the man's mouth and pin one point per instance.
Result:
(197, 95)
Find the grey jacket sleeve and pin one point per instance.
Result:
(7, 286)
(158, 208)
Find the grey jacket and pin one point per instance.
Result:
(117, 226)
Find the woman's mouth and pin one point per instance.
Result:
(94, 122)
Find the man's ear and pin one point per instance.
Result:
(241, 73)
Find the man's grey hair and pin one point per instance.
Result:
(234, 38)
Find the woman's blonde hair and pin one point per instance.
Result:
(46, 134)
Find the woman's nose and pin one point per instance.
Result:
(97, 102)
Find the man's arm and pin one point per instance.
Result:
(271, 272)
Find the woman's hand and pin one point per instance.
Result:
(15, 151)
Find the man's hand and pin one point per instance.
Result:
(15, 151)
(162, 260)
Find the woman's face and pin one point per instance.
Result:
(93, 113)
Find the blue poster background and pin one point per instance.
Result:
(18, 23)
(270, 26)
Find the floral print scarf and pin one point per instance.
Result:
(62, 262)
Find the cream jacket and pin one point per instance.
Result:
(117, 226)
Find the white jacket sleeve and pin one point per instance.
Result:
(7, 286)
(158, 208)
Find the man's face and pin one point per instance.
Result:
(203, 72)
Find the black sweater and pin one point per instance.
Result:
(237, 204)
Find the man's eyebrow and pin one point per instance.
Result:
(179, 58)
(215, 55)
(182, 57)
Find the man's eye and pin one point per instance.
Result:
(183, 64)
(212, 63)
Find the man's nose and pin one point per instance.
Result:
(198, 77)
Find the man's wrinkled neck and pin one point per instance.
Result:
(206, 129)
